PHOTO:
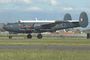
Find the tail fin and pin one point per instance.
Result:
(67, 17)
(83, 19)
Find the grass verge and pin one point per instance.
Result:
(46, 41)
(43, 55)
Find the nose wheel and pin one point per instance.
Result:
(39, 36)
(29, 36)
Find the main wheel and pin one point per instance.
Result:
(29, 36)
(39, 36)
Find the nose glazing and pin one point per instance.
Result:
(6, 27)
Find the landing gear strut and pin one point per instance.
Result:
(39, 36)
(29, 36)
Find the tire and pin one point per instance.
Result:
(29, 36)
(39, 36)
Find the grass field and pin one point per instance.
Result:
(45, 41)
(44, 54)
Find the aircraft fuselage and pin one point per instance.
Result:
(38, 27)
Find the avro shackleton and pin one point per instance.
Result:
(39, 27)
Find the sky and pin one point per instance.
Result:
(14, 10)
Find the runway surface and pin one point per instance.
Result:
(50, 47)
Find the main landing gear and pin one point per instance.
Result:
(39, 36)
(29, 36)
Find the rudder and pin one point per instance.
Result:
(83, 19)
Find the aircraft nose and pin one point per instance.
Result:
(5, 27)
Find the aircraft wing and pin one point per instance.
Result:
(48, 25)
(60, 22)
(58, 25)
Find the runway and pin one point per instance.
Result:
(49, 47)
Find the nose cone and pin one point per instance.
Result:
(5, 27)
